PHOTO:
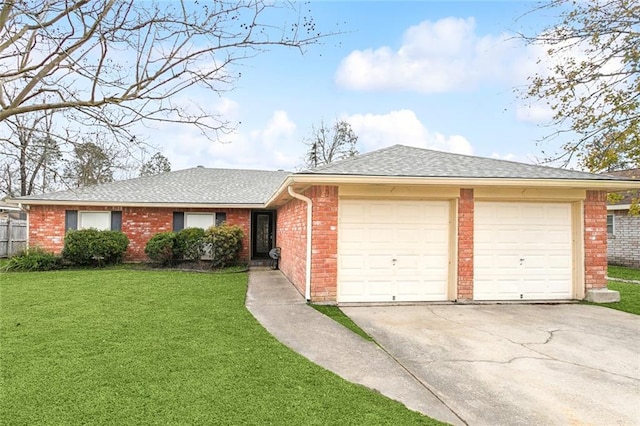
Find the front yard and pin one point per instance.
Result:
(629, 292)
(147, 347)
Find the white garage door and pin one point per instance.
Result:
(522, 251)
(393, 250)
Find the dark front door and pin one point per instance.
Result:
(262, 233)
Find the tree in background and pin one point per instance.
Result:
(329, 144)
(92, 165)
(30, 157)
(156, 165)
(593, 84)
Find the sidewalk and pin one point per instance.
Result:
(278, 306)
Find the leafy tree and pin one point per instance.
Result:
(120, 63)
(593, 84)
(156, 165)
(329, 144)
(91, 165)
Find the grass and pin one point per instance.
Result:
(623, 272)
(337, 315)
(629, 297)
(158, 347)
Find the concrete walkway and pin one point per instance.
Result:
(278, 306)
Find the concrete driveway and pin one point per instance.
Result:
(517, 364)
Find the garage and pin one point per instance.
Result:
(523, 251)
(393, 250)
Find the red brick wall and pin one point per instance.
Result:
(324, 243)
(46, 226)
(291, 237)
(465, 244)
(595, 240)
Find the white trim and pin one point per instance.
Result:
(619, 207)
(142, 205)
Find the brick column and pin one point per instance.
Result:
(595, 240)
(465, 244)
(324, 243)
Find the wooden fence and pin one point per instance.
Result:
(13, 236)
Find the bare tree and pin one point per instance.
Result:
(30, 156)
(593, 83)
(329, 144)
(117, 63)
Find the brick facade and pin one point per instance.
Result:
(292, 238)
(47, 225)
(595, 240)
(465, 244)
(623, 246)
(324, 243)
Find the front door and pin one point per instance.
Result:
(262, 233)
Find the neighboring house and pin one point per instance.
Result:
(400, 224)
(10, 211)
(623, 228)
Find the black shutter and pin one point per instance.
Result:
(116, 221)
(178, 221)
(70, 220)
(220, 218)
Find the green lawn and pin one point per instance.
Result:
(338, 316)
(154, 347)
(623, 273)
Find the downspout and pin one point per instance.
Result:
(307, 283)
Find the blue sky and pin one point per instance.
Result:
(438, 75)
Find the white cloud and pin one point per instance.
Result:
(274, 146)
(442, 56)
(402, 127)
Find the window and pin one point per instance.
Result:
(183, 220)
(610, 224)
(96, 220)
(101, 220)
(199, 220)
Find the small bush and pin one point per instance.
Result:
(225, 243)
(33, 259)
(90, 247)
(161, 248)
(189, 244)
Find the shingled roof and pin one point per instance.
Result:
(400, 160)
(197, 185)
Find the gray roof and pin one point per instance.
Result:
(400, 160)
(197, 185)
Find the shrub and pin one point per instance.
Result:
(33, 259)
(161, 248)
(225, 243)
(93, 247)
(189, 244)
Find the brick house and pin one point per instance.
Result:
(400, 224)
(623, 228)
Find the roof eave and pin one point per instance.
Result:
(320, 179)
(137, 204)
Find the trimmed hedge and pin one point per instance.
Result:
(225, 244)
(189, 244)
(161, 248)
(33, 259)
(91, 247)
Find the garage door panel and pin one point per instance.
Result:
(523, 251)
(415, 233)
